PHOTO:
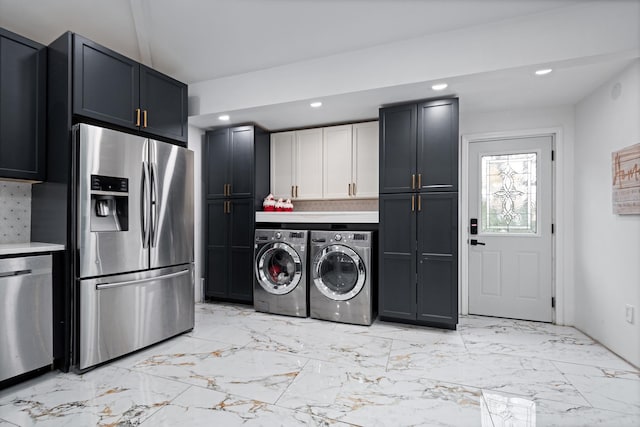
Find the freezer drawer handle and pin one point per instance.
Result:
(15, 273)
(135, 282)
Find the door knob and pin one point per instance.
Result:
(474, 242)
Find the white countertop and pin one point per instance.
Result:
(28, 248)
(330, 217)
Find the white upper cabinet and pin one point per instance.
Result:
(282, 166)
(364, 172)
(335, 162)
(308, 183)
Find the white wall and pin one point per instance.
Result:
(195, 143)
(559, 118)
(607, 246)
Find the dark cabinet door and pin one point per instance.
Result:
(398, 149)
(242, 170)
(216, 166)
(438, 145)
(241, 227)
(163, 102)
(397, 252)
(22, 107)
(437, 227)
(105, 84)
(217, 251)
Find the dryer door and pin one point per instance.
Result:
(339, 272)
(278, 268)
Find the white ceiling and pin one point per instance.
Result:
(216, 41)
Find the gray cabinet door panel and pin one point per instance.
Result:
(216, 250)
(22, 107)
(216, 164)
(165, 102)
(397, 148)
(397, 285)
(105, 84)
(438, 145)
(242, 171)
(241, 249)
(438, 258)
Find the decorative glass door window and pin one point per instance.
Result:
(508, 193)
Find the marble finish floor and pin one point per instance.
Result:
(239, 367)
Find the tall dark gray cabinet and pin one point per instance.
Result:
(236, 180)
(23, 77)
(418, 231)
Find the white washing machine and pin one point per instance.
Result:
(341, 278)
(280, 283)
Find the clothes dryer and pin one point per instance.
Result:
(280, 279)
(341, 287)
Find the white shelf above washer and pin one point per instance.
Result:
(331, 217)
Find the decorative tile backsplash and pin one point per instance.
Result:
(336, 205)
(15, 212)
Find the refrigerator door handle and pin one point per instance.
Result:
(144, 206)
(154, 204)
(139, 281)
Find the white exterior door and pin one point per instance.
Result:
(337, 162)
(282, 164)
(510, 258)
(365, 160)
(308, 164)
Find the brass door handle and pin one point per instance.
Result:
(224, 206)
(296, 191)
(224, 190)
(138, 117)
(144, 119)
(229, 206)
(228, 189)
(413, 181)
(419, 181)
(413, 203)
(350, 189)
(354, 189)
(292, 191)
(419, 203)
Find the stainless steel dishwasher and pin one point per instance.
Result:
(26, 320)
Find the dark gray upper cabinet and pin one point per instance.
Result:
(114, 89)
(233, 160)
(419, 147)
(23, 66)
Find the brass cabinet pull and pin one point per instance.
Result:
(229, 206)
(224, 190)
(137, 117)
(144, 119)
(296, 191)
(224, 206)
(419, 181)
(228, 189)
(419, 203)
(292, 191)
(354, 189)
(413, 203)
(349, 188)
(413, 181)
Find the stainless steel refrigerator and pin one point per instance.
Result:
(134, 239)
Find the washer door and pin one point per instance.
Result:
(278, 268)
(338, 272)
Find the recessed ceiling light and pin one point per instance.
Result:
(543, 71)
(440, 86)
(316, 104)
(224, 117)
